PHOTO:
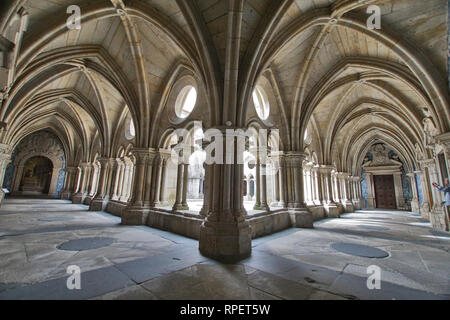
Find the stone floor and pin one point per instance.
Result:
(138, 262)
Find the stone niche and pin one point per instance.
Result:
(38, 163)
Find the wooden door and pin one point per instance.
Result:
(385, 192)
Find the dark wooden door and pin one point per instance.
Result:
(385, 192)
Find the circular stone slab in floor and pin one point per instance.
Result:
(86, 244)
(359, 250)
(373, 227)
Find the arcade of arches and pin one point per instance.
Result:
(356, 118)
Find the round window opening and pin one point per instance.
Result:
(261, 103)
(186, 102)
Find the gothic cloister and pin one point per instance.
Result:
(324, 132)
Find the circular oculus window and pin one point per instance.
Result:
(261, 103)
(185, 102)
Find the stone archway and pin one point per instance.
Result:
(42, 144)
(36, 176)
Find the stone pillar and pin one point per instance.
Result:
(317, 186)
(282, 182)
(118, 186)
(54, 181)
(398, 186)
(329, 205)
(139, 205)
(300, 215)
(185, 186)
(437, 214)
(275, 182)
(249, 196)
(225, 234)
(5, 159)
(425, 207)
(17, 178)
(370, 191)
(356, 192)
(206, 195)
(415, 206)
(101, 198)
(258, 184)
(346, 201)
(308, 185)
(264, 205)
(70, 183)
(84, 173)
(163, 191)
(92, 181)
(179, 196)
(159, 183)
(126, 186)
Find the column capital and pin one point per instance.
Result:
(325, 168)
(84, 165)
(143, 155)
(295, 158)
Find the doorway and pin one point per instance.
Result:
(37, 174)
(384, 191)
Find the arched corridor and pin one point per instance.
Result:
(228, 122)
(48, 235)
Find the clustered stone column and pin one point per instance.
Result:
(70, 183)
(5, 159)
(160, 179)
(399, 198)
(84, 174)
(125, 192)
(308, 183)
(329, 205)
(356, 188)
(425, 207)
(317, 183)
(140, 203)
(93, 180)
(181, 189)
(261, 179)
(300, 216)
(225, 234)
(104, 183)
(415, 206)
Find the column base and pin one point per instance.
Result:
(437, 218)
(180, 207)
(371, 203)
(301, 218)
(2, 196)
(348, 206)
(275, 204)
(98, 204)
(225, 242)
(332, 210)
(78, 198)
(415, 206)
(356, 204)
(135, 216)
(65, 195)
(261, 207)
(425, 211)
